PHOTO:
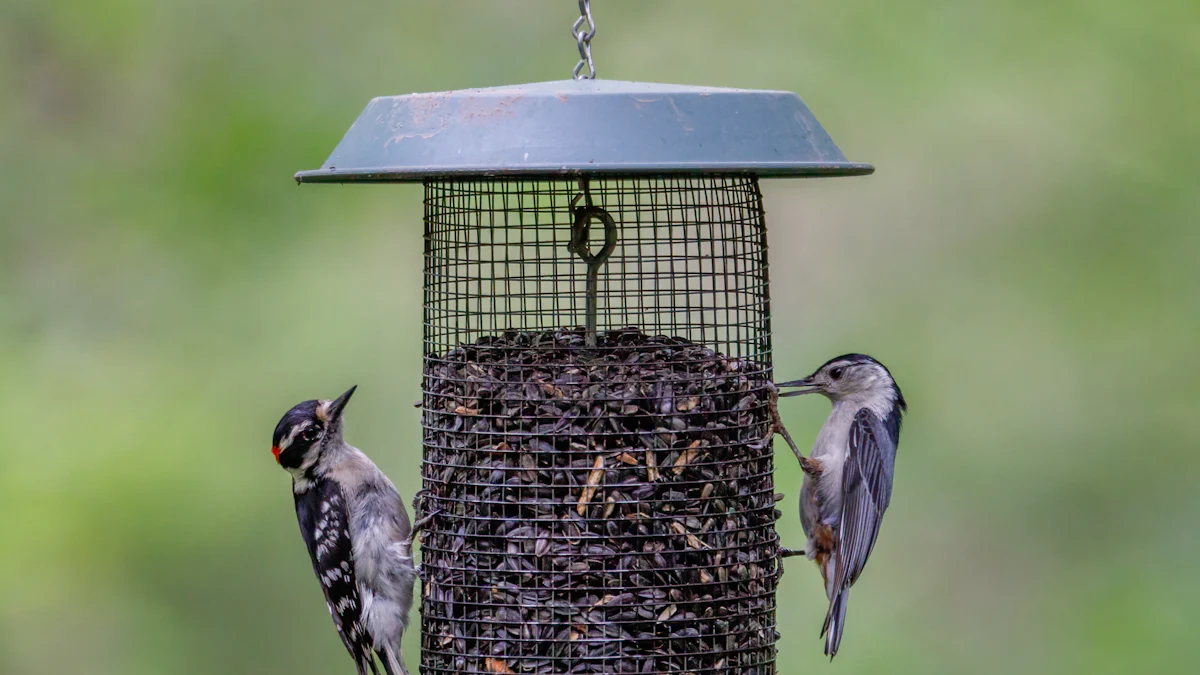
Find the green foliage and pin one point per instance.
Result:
(1025, 261)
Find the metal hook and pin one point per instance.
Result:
(580, 233)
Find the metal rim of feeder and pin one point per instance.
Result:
(587, 127)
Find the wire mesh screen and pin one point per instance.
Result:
(597, 367)
(690, 260)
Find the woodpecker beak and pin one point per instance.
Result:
(806, 386)
(339, 404)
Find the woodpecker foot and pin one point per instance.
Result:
(424, 521)
(418, 501)
(790, 552)
(420, 570)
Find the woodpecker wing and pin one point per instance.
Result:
(866, 491)
(325, 526)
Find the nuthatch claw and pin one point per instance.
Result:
(776, 424)
(812, 467)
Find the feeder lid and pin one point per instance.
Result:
(584, 127)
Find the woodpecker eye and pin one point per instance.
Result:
(836, 373)
(310, 434)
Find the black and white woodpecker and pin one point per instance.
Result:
(356, 528)
(848, 476)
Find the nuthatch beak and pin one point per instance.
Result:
(807, 385)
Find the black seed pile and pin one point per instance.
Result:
(605, 510)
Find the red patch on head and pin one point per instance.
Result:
(275, 451)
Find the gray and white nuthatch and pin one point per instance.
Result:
(848, 477)
(357, 532)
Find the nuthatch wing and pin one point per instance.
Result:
(848, 476)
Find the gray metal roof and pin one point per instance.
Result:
(592, 127)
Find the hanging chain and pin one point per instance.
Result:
(583, 39)
(580, 233)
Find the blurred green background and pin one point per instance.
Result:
(1025, 260)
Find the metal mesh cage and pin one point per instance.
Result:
(597, 360)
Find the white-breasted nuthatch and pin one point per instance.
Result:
(356, 528)
(848, 477)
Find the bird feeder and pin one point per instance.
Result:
(597, 366)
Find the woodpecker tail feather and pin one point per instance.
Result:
(360, 663)
(835, 622)
(387, 667)
(393, 661)
(365, 661)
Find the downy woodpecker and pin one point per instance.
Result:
(356, 529)
(848, 477)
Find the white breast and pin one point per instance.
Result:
(833, 442)
(832, 448)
